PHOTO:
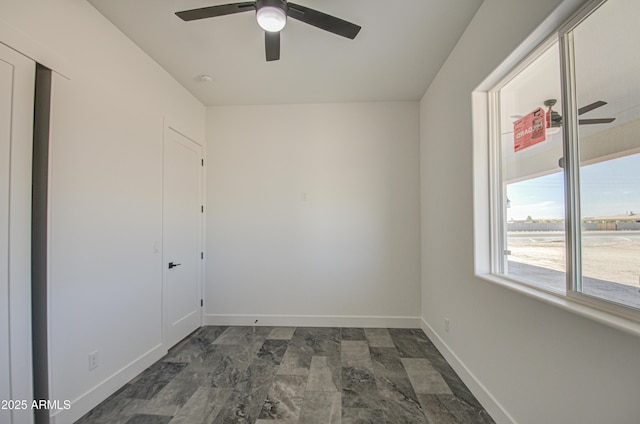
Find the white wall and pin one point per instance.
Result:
(348, 252)
(105, 193)
(540, 363)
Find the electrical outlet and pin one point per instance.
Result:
(446, 325)
(93, 360)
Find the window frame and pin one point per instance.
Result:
(491, 267)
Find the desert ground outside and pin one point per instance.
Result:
(606, 255)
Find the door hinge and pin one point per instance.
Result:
(202, 209)
(201, 303)
(202, 162)
(201, 255)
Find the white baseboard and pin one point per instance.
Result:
(89, 400)
(313, 321)
(486, 399)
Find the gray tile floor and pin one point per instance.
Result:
(274, 375)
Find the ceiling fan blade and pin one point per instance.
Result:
(596, 121)
(272, 45)
(323, 21)
(589, 108)
(213, 11)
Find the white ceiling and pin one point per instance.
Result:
(399, 50)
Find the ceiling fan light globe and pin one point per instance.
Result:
(271, 19)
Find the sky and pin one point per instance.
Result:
(607, 188)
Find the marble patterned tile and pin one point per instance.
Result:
(296, 361)
(353, 334)
(451, 378)
(203, 406)
(248, 396)
(362, 416)
(321, 408)
(409, 345)
(450, 409)
(286, 375)
(211, 332)
(232, 335)
(438, 362)
(359, 389)
(113, 409)
(148, 419)
(189, 350)
(321, 341)
(396, 388)
(386, 362)
(200, 375)
(322, 378)
(228, 361)
(424, 378)
(242, 335)
(115, 419)
(356, 354)
(176, 392)
(143, 406)
(270, 421)
(257, 378)
(272, 351)
(153, 379)
(420, 335)
(378, 337)
(284, 400)
(281, 333)
(403, 411)
(435, 410)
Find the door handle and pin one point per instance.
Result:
(172, 265)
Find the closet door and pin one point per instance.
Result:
(17, 79)
(182, 234)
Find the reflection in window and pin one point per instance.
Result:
(607, 87)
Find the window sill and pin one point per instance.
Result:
(627, 325)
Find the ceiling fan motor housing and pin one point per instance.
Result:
(555, 118)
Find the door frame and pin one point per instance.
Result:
(200, 229)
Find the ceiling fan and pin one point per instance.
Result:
(556, 118)
(272, 17)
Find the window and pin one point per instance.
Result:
(531, 218)
(565, 162)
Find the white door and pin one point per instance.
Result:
(17, 79)
(182, 235)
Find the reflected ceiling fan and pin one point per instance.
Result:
(556, 118)
(272, 17)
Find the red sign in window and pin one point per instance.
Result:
(530, 130)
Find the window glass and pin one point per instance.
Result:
(532, 204)
(607, 87)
